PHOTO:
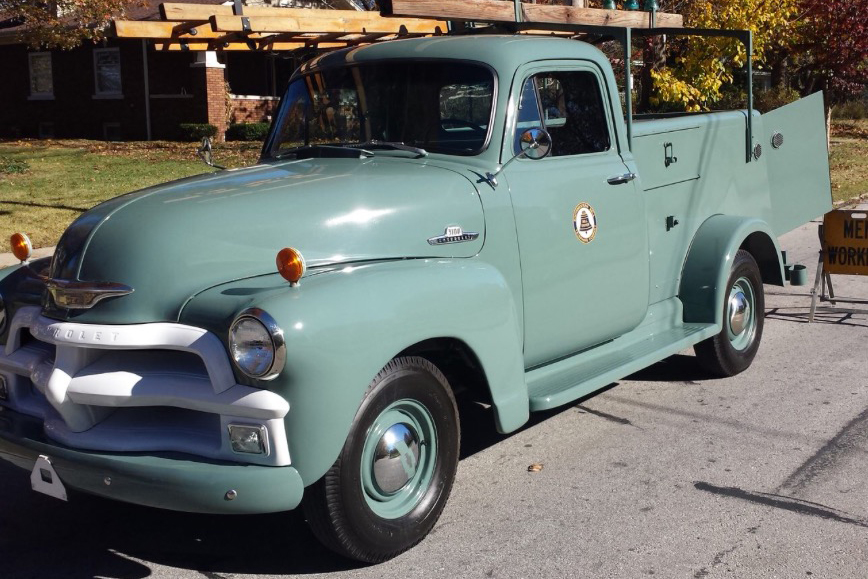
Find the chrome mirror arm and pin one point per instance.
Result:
(535, 144)
(492, 177)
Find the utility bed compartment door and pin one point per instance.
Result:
(798, 169)
(669, 154)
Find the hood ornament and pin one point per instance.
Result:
(83, 295)
(453, 234)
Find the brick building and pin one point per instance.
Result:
(124, 89)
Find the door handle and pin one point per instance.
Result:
(621, 179)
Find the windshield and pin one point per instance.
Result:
(437, 106)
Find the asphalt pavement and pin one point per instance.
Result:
(667, 473)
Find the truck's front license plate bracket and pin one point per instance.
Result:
(44, 479)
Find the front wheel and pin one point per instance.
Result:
(733, 349)
(392, 479)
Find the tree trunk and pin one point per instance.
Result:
(828, 127)
(779, 72)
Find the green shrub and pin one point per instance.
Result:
(853, 110)
(773, 98)
(731, 99)
(10, 166)
(763, 100)
(247, 132)
(195, 131)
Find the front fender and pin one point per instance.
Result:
(342, 327)
(709, 262)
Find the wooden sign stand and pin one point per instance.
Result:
(843, 251)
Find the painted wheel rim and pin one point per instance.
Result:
(741, 314)
(388, 494)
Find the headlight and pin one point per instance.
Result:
(2, 315)
(256, 344)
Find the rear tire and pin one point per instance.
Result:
(734, 348)
(391, 481)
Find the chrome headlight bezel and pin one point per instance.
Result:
(275, 334)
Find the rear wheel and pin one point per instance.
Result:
(733, 349)
(393, 477)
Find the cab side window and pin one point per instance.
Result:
(571, 109)
(528, 113)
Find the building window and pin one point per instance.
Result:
(41, 83)
(107, 72)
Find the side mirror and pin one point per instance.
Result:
(535, 144)
(205, 153)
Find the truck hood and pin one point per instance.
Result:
(172, 241)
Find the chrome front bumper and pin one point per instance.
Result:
(176, 482)
(135, 388)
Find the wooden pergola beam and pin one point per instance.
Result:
(193, 46)
(500, 11)
(312, 20)
(274, 42)
(166, 30)
(202, 12)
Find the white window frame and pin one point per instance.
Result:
(40, 95)
(97, 93)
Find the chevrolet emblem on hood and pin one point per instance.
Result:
(82, 295)
(453, 234)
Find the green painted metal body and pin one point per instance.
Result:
(546, 318)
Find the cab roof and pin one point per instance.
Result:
(502, 52)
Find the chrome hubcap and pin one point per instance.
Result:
(396, 458)
(742, 315)
(739, 312)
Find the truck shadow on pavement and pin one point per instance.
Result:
(823, 315)
(676, 368)
(94, 537)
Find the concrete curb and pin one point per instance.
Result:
(852, 202)
(7, 259)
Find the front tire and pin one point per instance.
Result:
(734, 348)
(391, 481)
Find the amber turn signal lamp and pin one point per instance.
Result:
(290, 264)
(21, 246)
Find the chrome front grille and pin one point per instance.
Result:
(146, 387)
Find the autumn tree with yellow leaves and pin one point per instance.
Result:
(700, 67)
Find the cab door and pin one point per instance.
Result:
(579, 217)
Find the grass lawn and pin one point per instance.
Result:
(64, 178)
(848, 159)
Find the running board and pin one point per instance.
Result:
(566, 380)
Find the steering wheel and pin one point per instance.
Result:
(462, 123)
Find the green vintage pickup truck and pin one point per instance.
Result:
(459, 215)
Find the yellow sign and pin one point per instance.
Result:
(845, 242)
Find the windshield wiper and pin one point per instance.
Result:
(374, 144)
(342, 148)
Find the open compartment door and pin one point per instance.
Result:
(798, 163)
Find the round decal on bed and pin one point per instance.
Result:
(585, 222)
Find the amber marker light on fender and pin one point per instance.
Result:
(21, 246)
(290, 264)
